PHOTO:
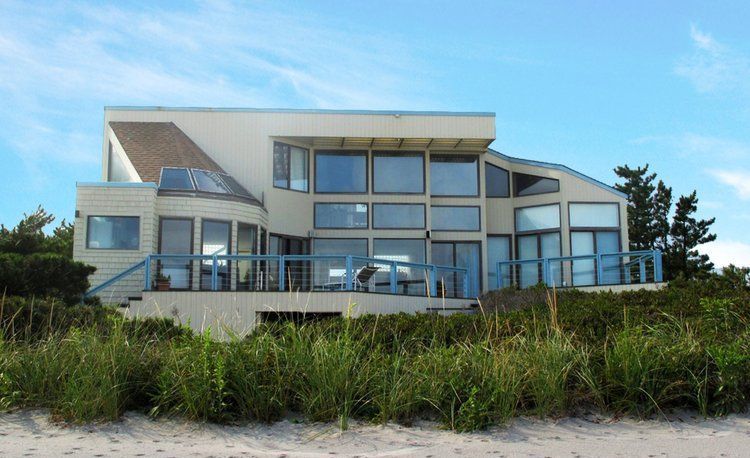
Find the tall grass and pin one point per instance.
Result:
(465, 372)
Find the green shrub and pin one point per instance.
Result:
(44, 275)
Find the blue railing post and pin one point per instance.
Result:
(214, 273)
(282, 273)
(642, 268)
(394, 277)
(466, 284)
(433, 280)
(499, 275)
(546, 274)
(147, 274)
(658, 275)
(349, 276)
(599, 269)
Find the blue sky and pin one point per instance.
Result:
(587, 84)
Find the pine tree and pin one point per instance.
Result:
(686, 233)
(639, 188)
(662, 207)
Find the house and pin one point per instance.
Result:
(239, 209)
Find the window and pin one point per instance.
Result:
(398, 173)
(535, 246)
(446, 218)
(172, 178)
(210, 182)
(341, 172)
(458, 254)
(497, 181)
(216, 238)
(594, 215)
(498, 249)
(595, 242)
(409, 280)
(247, 244)
(529, 185)
(113, 233)
(454, 175)
(354, 247)
(398, 216)
(116, 170)
(290, 167)
(176, 237)
(538, 218)
(341, 216)
(331, 274)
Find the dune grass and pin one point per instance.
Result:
(389, 369)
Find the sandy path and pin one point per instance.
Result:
(31, 434)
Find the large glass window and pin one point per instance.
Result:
(247, 244)
(398, 216)
(529, 185)
(340, 216)
(535, 246)
(409, 280)
(594, 215)
(290, 167)
(341, 172)
(210, 182)
(113, 232)
(454, 175)
(498, 249)
(330, 274)
(398, 173)
(216, 237)
(538, 218)
(595, 242)
(446, 218)
(458, 254)
(497, 181)
(176, 237)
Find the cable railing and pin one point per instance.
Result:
(184, 272)
(585, 270)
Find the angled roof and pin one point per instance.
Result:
(305, 111)
(153, 145)
(562, 168)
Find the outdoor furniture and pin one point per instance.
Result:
(365, 277)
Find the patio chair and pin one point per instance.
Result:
(364, 277)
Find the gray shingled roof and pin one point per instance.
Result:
(153, 145)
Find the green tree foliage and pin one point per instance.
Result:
(33, 263)
(653, 226)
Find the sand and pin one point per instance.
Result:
(30, 433)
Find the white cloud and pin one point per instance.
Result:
(61, 63)
(739, 180)
(712, 66)
(725, 252)
(699, 146)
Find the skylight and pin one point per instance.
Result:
(184, 179)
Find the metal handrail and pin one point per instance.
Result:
(642, 256)
(349, 260)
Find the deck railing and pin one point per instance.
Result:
(585, 270)
(294, 273)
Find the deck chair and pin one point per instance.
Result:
(365, 277)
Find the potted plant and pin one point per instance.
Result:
(163, 283)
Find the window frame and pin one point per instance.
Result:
(509, 190)
(479, 177)
(191, 267)
(315, 216)
(386, 153)
(515, 188)
(423, 240)
(537, 231)
(479, 218)
(289, 168)
(332, 152)
(190, 177)
(88, 232)
(424, 214)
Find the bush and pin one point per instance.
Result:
(44, 275)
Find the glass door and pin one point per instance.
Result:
(460, 254)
